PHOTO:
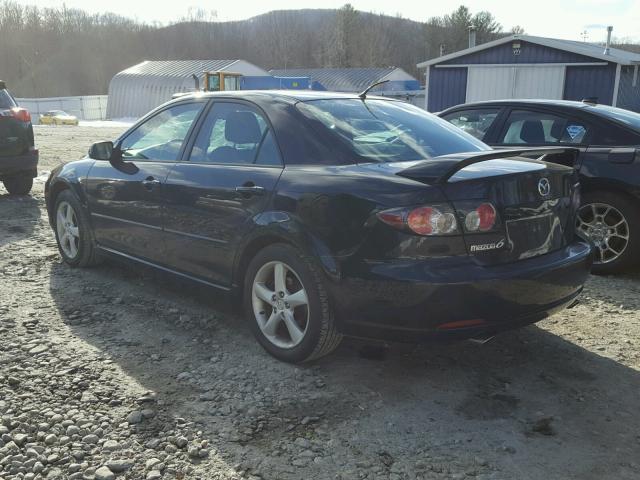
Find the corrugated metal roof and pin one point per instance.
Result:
(592, 50)
(176, 68)
(338, 79)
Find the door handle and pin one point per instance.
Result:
(250, 189)
(150, 183)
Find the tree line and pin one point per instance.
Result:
(63, 51)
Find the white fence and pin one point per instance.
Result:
(88, 107)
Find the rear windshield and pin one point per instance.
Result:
(5, 99)
(388, 131)
(627, 117)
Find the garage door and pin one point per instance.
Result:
(494, 83)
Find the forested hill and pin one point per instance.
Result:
(56, 52)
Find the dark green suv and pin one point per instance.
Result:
(18, 155)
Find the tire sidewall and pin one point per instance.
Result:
(630, 256)
(23, 187)
(85, 243)
(319, 309)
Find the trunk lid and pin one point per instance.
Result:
(535, 200)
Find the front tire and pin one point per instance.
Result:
(612, 222)
(73, 232)
(287, 305)
(19, 185)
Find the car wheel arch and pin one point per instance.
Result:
(57, 187)
(249, 250)
(55, 190)
(594, 188)
(305, 242)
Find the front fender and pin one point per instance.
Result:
(67, 176)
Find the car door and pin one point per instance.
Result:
(475, 121)
(125, 198)
(525, 127)
(612, 158)
(211, 199)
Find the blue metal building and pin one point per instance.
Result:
(523, 66)
(399, 84)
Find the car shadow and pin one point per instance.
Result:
(529, 404)
(19, 215)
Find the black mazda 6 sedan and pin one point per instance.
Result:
(330, 214)
(608, 140)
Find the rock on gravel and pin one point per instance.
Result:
(104, 473)
(135, 417)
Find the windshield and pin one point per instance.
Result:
(629, 118)
(388, 131)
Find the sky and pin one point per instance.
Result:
(567, 19)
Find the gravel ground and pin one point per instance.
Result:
(118, 372)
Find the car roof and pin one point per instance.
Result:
(292, 96)
(520, 102)
(596, 108)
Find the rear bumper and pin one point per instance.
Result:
(449, 298)
(19, 165)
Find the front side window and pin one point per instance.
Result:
(537, 128)
(475, 122)
(161, 137)
(235, 133)
(387, 131)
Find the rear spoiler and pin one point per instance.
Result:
(439, 170)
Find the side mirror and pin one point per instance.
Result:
(101, 151)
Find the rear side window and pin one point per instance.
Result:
(269, 153)
(475, 122)
(235, 133)
(6, 101)
(613, 135)
(537, 128)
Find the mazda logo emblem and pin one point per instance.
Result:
(544, 187)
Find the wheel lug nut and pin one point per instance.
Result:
(281, 294)
(286, 305)
(273, 297)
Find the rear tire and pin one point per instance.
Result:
(292, 317)
(19, 185)
(73, 232)
(612, 222)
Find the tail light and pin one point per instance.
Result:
(426, 220)
(477, 216)
(21, 114)
(482, 219)
(18, 113)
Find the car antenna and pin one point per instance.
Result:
(363, 95)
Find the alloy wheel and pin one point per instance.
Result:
(68, 231)
(280, 304)
(606, 227)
